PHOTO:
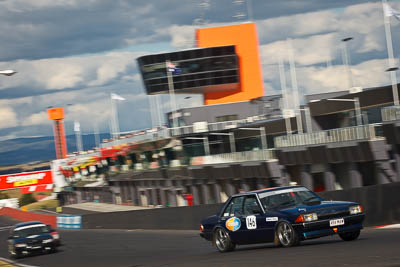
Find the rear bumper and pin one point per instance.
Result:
(322, 228)
(207, 235)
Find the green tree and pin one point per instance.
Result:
(26, 199)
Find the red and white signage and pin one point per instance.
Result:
(38, 179)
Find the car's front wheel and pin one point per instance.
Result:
(223, 241)
(287, 235)
(13, 252)
(350, 236)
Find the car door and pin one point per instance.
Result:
(256, 227)
(232, 219)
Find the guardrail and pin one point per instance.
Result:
(265, 155)
(391, 113)
(363, 132)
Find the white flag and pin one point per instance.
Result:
(116, 97)
(388, 11)
(77, 126)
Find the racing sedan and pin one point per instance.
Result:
(29, 237)
(283, 215)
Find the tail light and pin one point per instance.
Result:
(201, 228)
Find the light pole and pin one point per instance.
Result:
(386, 18)
(346, 61)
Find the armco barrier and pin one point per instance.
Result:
(381, 202)
(69, 222)
(29, 216)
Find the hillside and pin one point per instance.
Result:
(38, 149)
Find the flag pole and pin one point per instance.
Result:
(159, 109)
(172, 95)
(295, 88)
(389, 44)
(151, 104)
(284, 94)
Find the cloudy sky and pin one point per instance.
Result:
(74, 53)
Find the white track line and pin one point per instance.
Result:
(392, 226)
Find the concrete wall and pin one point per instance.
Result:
(380, 202)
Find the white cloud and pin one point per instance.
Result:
(8, 117)
(36, 119)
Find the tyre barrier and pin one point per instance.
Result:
(69, 222)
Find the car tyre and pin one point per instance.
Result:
(222, 241)
(286, 235)
(350, 236)
(14, 254)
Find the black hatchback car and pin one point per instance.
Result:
(283, 215)
(29, 237)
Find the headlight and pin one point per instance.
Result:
(355, 209)
(47, 241)
(307, 217)
(21, 245)
(310, 217)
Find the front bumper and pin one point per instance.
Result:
(35, 248)
(322, 228)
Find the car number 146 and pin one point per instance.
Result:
(336, 222)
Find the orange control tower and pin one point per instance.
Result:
(244, 38)
(57, 116)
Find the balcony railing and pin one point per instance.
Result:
(364, 132)
(263, 155)
(141, 136)
(391, 113)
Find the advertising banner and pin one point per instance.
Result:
(19, 180)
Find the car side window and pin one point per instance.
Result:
(251, 206)
(234, 208)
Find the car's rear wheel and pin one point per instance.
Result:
(287, 235)
(223, 241)
(350, 236)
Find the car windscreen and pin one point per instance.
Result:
(286, 198)
(29, 230)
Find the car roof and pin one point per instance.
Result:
(27, 223)
(266, 190)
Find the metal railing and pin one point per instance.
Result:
(141, 136)
(391, 113)
(217, 126)
(263, 155)
(363, 132)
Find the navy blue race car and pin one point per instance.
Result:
(283, 215)
(28, 237)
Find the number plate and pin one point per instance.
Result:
(336, 222)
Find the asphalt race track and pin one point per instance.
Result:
(375, 247)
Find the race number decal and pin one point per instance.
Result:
(251, 222)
